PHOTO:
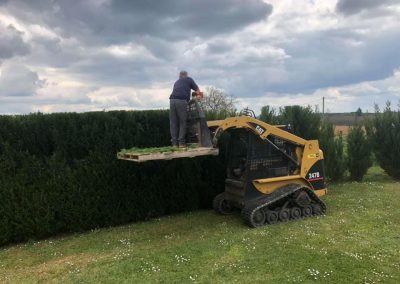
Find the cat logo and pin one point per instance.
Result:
(260, 130)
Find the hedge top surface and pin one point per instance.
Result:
(153, 150)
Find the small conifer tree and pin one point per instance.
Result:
(358, 153)
(384, 134)
(333, 148)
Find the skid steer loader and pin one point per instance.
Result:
(272, 175)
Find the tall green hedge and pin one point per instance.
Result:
(333, 148)
(59, 173)
(384, 135)
(269, 115)
(305, 122)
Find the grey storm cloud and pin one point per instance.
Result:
(162, 27)
(121, 21)
(219, 46)
(17, 80)
(350, 7)
(119, 71)
(11, 42)
(181, 18)
(337, 58)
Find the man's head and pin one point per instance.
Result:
(183, 74)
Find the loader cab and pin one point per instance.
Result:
(249, 158)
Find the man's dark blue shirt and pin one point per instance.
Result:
(182, 89)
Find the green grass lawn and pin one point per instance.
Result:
(358, 241)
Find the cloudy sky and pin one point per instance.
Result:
(72, 55)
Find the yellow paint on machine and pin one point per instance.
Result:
(269, 185)
(321, 192)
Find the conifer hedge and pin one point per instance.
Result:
(358, 153)
(333, 148)
(59, 173)
(384, 135)
(306, 123)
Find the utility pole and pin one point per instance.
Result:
(323, 105)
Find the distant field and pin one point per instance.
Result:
(347, 118)
(356, 242)
(343, 121)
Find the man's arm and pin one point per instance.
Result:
(194, 86)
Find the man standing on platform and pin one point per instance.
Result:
(178, 102)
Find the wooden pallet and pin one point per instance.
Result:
(187, 153)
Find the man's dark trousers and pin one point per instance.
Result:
(177, 121)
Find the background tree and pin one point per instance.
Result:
(358, 153)
(358, 115)
(308, 124)
(384, 134)
(305, 122)
(268, 114)
(335, 164)
(337, 172)
(217, 104)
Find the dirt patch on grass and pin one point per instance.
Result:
(64, 262)
(51, 269)
(344, 129)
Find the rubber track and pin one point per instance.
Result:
(251, 207)
(216, 204)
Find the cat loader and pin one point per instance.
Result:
(272, 175)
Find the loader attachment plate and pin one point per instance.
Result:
(165, 153)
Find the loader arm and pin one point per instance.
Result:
(260, 128)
